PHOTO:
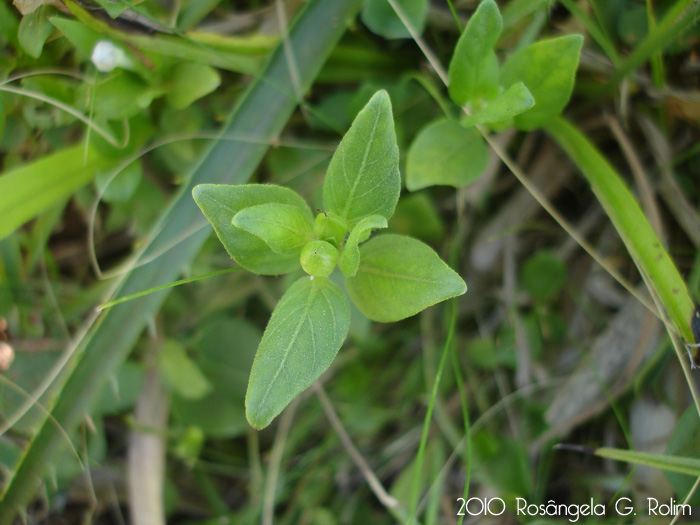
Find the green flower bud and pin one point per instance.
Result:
(329, 227)
(318, 258)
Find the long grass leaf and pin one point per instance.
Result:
(683, 465)
(675, 22)
(631, 223)
(34, 187)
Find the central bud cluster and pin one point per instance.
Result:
(318, 258)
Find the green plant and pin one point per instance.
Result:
(270, 230)
(527, 91)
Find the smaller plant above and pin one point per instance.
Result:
(527, 91)
(271, 230)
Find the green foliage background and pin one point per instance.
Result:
(466, 398)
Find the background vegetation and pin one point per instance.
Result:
(139, 408)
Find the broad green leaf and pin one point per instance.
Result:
(181, 373)
(123, 96)
(399, 277)
(382, 20)
(350, 258)
(190, 81)
(363, 177)
(516, 99)
(305, 332)
(33, 31)
(284, 228)
(445, 153)
(220, 203)
(31, 189)
(81, 36)
(548, 70)
(473, 72)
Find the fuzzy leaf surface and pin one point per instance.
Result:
(363, 176)
(514, 101)
(306, 330)
(399, 277)
(473, 72)
(445, 153)
(283, 227)
(350, 258)
(548, 70)
(221, 202)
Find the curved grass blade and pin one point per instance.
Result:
(173, 284)
(314, 34)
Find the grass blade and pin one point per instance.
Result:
(311, 39)
(34, 187)
(674, 23)
(631, 223)
(682, 465)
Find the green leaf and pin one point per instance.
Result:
(123, 96)
(417, 216)
(305, 332)
(33, 31)
(33, 188)
(181, 373)
(81, 36)
(631, 223)
(122, 187)
(543, 275)
(114, 9)
(399, 277)
(682, 465)
(220, 203)
(381, 19)
(473, 72)
(363, 177)
(445, 153)
(548, 69)
(283, 227)
(350, 258)
(516, 99)
(190, 81)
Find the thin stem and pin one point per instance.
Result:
(374, 484)
(275, 462)
(437, 66)
(413, 503)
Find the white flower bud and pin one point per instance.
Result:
(106, 56)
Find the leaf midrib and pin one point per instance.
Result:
(361, 171)
(378, 271)
(302, 320)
